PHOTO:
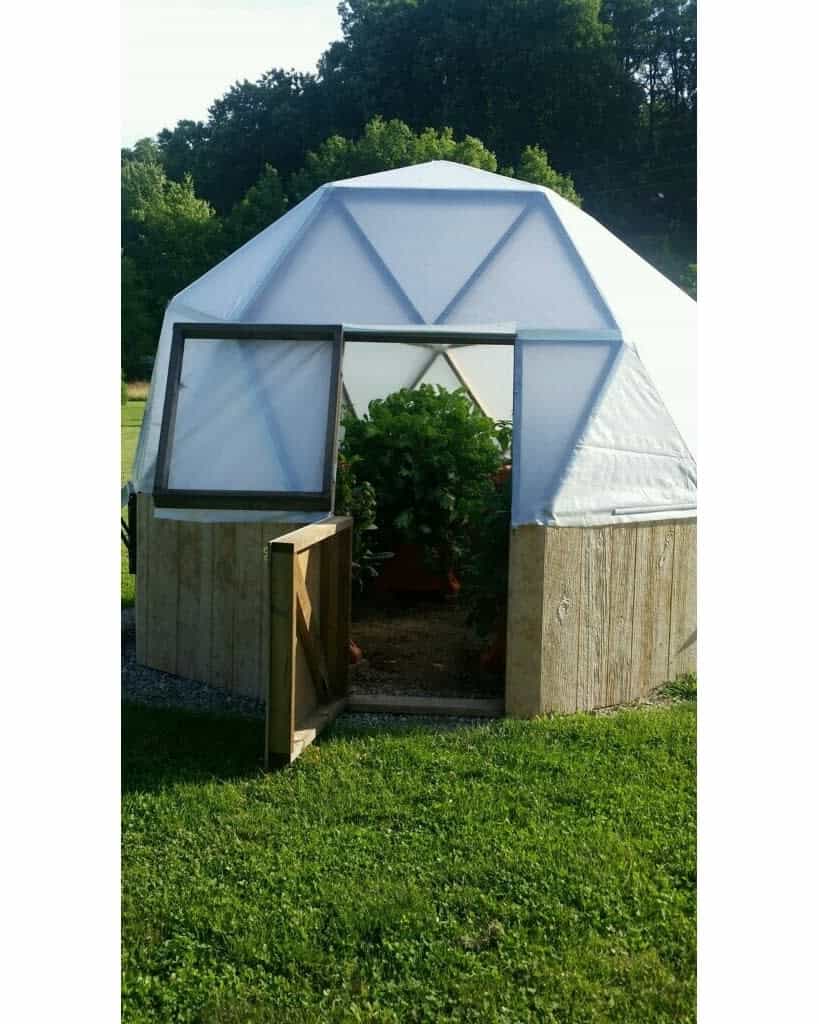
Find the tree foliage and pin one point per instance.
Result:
(263, 203)
(606, 87)
(385, 145)
(534, 166)
(170, 237)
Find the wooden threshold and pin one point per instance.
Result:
(468, 708)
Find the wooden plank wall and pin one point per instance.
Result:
(280, 714)
(202, 604)
(598, 615)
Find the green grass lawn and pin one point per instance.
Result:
(507, 872)
(132, 413)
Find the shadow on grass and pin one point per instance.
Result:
(363, 725)
(162, 747)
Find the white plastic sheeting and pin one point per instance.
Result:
(239, 422)
(593, 442)
(447, 246)
(656, 317)
(375, 369)
(557, 382)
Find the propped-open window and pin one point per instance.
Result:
(250, 418)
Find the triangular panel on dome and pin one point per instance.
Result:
(536, 274)
(655, 316)
(441, 374)
(331, 276)
(488, 371)
(403, 226)
(227, 288)
(630, 459)
(557, 385)
(376, 369)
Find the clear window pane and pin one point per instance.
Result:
(252, 416)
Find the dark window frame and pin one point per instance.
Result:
(274, 501)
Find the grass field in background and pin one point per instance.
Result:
(138, 390)
(132, 413)
(507, 872)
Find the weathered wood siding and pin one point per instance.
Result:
(202, 602)
(598, 615)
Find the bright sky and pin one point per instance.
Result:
(178, 56)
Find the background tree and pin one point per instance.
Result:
(534, 166)
(263, 203)
(170, 237)
(384, 145)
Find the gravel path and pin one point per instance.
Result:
(142, 685)
(148, 686)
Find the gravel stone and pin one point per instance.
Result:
(148, 686)
(141, 685)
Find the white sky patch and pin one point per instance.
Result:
(178, 56)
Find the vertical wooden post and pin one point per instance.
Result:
(143, 569)
(344, 550)
(331, 638)
(595, 587)
(163, 603)
(524, 622)
(653, 573)
(618, 687)
(682, 648)
(280, 710)
(562, 611)
(223, 601)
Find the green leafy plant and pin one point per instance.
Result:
(684, 687)
(358, 499)
(485, 566)
(431, 455)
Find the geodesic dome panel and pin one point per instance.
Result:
(655, 316)
(335, 274)
(376, 369)
(488, 372)
(370, 256)
(594, 442)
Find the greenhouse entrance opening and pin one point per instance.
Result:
(428, 632)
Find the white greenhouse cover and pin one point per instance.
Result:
(605, 362)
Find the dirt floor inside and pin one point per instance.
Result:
(419, 647)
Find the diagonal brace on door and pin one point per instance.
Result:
(311, 645)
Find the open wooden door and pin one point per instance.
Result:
(309, 572)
